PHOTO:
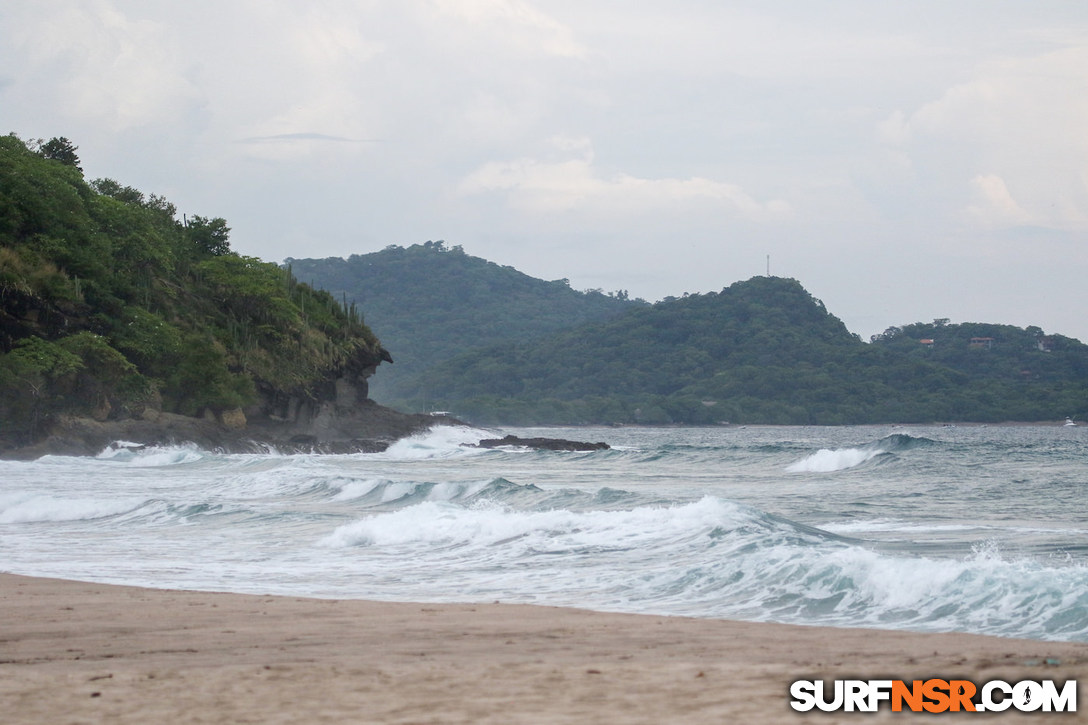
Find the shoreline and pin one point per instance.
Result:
(84, 652)
(363, 428)
(728, 426)
(372, 428)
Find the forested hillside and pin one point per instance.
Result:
(430, 302)
(111, 308)
(761, 351)
(114, 308)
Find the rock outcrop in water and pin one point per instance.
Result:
(544, 444)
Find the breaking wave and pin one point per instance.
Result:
(828, 460)
(710, 557)
(699, 522)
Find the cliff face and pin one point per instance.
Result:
(113, 312)
(339, 418)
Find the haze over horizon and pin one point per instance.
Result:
(904, 163)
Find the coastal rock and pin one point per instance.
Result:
(544, 444)
(234, 419)
(365, 428)
(101, 411)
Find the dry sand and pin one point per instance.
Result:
(73, 652)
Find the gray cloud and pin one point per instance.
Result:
(304, 136)
(905, 163)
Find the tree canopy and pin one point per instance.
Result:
(110, 306)
(62, 150)
(430, 302)
(761, 351)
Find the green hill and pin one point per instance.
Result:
(114, 309)
(111, 309)
(760, 351)
(430, 302)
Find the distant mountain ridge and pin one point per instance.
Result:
(118, 320)
(763, 351)
(759, 351)
(429, 302)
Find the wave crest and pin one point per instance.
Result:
(828, 460)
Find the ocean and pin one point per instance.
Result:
(971, 529)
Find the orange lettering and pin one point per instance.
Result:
(935, 690)
(912, 695)
(961, 692)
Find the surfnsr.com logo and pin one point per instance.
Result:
(934, 695)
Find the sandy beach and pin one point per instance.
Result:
(74, 652)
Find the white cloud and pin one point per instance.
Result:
(472, 121)
(111, 69)
(894, 130)
(516, 22)
(576, 184)
(1018, 122)
(993, 205)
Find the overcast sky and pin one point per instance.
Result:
(903, 160)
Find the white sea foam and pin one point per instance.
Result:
(450, 490)
(826, 460)
(437, 522)
(894, 526)
(38, 508)
(150, 456)
(356, 489)
(710, 557)
(487, 524)
(439, 442)
(397, 491)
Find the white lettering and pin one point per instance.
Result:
(804, 695)
(1027, 696)
(821, 701)
(993, 696)
(988, 699)
(1065, 701)
(856, 695)
(878, 690)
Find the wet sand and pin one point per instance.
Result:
(74, 652)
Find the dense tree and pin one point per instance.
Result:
(62, 150)
(430, 302)
(762, 351)
(109, 305)
(209, 236)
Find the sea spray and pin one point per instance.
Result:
(440, 442)
(709, 558)
(828, 460)
(963, 529)
(150, 456)
(825, 461)
(22, 508)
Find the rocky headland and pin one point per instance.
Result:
(343, 420)
(370, 428)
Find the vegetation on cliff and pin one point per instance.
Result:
(762, 351)
(430, 302)
(110, 306)
(113, 308)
